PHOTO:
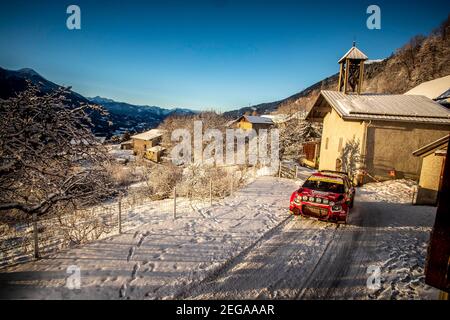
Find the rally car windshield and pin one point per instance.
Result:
(326, 186)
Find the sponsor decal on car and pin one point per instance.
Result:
(323, 179)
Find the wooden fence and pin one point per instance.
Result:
(288, 171)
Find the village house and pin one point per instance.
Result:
(127, 145)
(155, 153)
(144, 144)
(437, 90)
(252, 122)
(385, 128)
(433, 157)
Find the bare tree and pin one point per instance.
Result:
(408, 54)
(49, 157)
(350, 157)
(293, 134)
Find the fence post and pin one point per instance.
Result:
(231, 186)
(174, 202)
(35, 236)
(210, 192)
(120, 214)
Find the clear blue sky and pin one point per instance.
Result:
(211, 54)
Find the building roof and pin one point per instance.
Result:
(433, 146)
(355, 54)
(282, 118)
(257, 119)
(434, 89)
(148, 135)
(156, 149)
(406, 108)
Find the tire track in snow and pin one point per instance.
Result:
(274, 266)
(186, 292)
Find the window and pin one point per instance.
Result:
(324, 186)
(326, 144)
(340, 144)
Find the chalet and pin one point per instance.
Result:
(146, 140)
(252, 122)
(155, 153)
(432, 156)
(127, 145)
(437, 89)
(385, 128)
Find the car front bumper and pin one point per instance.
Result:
(319, 211)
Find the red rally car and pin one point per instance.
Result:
(326, 195)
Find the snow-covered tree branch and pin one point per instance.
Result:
(48, 153)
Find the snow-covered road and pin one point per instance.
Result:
(161, 257)
(248, 247)
(308, 259)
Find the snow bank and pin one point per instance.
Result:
(393, 191)
(404, 231)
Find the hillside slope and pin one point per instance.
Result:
(423, 58)
(122, 116)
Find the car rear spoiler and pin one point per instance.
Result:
(334, 172)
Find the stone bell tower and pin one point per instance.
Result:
(351, 72)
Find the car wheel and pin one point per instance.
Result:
(351, 203)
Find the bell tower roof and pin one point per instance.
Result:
(354, 53)
(351, 71)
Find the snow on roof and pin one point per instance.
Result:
(432, 89)
(354, 53)
(156, 149)
(258, 119)
(148, 135)
(374, 61)
(276, 118)
(409, 108)
(282, 118)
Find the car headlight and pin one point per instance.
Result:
(336, 207)
(325, 201)
(311, 199)
(319, 200)
(297, 200)
(331, 203)
(305, 198)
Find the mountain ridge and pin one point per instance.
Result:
(124, 116)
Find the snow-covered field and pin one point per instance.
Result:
(119, 154)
